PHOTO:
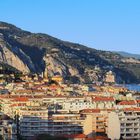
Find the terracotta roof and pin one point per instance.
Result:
(75, 136)
(132, 109)
(90, 111)
(19, 104)
(90, 139)
(21, 99)
(138, 101)
(101, 98)
(101, 138)
(54, 87)
(132, 102)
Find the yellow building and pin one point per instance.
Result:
(57, 78)
(109, 77)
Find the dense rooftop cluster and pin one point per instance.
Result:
(36, 107)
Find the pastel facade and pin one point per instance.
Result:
(126, 124)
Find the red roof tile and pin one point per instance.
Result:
(132, 102)
(75, 136)
(138, 101)
(99, 98)
(132, 109)
(101, 138)
(90, 111)
(19, 104)
(21, 99)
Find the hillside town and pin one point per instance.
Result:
(40, 105)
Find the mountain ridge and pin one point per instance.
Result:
(38, 52)
(127, 54)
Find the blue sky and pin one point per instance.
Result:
(101, 24)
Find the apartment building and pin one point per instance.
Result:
(99, 120)
(127, 104)
(32, 121)
(40, 109)
(36, 120)
(124, 124)
(104, 102)
(65, 123)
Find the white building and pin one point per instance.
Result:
(124, 124)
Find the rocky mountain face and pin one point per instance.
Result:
(37, 53)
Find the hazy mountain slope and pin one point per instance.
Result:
(29, 52)
(126, 54)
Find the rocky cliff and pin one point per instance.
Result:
(37, 53)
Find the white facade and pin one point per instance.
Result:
(124, 125)
(79, 105)
(113, 126)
